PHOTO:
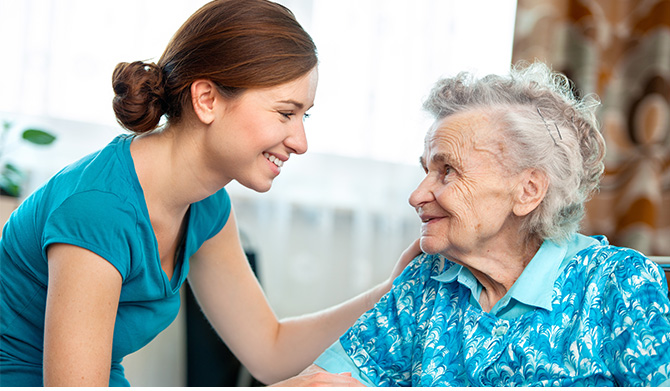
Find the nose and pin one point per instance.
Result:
(422, 194)
(297, 139)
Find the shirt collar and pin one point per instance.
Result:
(535, 285)
(463, 276)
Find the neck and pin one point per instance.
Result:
(170, 169)
(499, 266)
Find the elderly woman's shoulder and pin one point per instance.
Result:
(421, 273)
(425, 266)
(617, 264)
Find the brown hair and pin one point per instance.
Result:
(238, 44)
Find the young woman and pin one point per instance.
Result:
(92, 262)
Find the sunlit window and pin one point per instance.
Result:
(378, 59)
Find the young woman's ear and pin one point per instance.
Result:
(204, 96)
(530, 192)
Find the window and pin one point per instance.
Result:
(378, 60)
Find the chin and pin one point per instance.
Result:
(429, 246)
(263, 189)
(257, 187)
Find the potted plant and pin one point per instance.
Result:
(12, 178)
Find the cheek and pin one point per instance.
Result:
(494, 207)
(458, 200)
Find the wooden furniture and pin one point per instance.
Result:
(665, 264)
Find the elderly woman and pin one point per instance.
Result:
(507, 292)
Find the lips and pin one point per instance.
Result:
(427, 217)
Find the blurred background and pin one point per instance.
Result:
(337, 218)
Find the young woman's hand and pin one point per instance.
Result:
(315, 376)
(406, 257)
(380, 290)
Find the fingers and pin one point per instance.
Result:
(406, 257)
(410, 253)
(315, 376)
(413, 250)
(321, 379)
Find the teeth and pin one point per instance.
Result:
(273, 159)
(278, 162)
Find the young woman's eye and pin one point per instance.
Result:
(286, 114)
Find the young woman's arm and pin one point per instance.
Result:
(235, 304)
(82, 300)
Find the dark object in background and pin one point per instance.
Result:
(209, 362)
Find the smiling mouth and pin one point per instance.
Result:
(428, 219)
(275, 160)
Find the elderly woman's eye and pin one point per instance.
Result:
(446, 172)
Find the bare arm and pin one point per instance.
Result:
(236, 306)
(82, 300)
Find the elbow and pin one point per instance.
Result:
(272, 368)
(268, 375)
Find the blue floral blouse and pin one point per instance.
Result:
(606, 322)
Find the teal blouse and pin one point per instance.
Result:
(98, 204)
(581, 314)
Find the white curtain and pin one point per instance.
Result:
(378, 59)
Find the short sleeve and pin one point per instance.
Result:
(97, 221)
(382, 341)
(336, 360)
(639, 344)
(211, 215)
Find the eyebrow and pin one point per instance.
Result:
(438, 158)
(297, 104)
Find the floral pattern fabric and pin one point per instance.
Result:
(609, 325)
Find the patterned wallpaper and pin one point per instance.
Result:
(619, 50)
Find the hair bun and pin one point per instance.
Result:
(139, 90)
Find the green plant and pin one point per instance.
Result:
(12, 177)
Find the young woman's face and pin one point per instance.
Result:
(257, 132)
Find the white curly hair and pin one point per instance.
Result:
(545, 126)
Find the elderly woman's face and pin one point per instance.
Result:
(465, 201)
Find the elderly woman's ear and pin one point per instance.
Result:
(530, 191)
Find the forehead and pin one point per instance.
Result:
(300, 92)
(459, 134)
(302, 88)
